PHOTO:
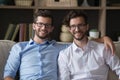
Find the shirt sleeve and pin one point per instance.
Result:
(13, 62)
(64, 73)
(113, 61)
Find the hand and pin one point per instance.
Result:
(8, 78)
(109, 44)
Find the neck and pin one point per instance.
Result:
(39, 40)
(81, 43)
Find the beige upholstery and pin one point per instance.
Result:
(112, 75)
(5, 46)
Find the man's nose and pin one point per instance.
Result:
(76, 28)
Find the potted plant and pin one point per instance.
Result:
(94, 33)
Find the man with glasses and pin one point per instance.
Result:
(37, 58)
(84, 59)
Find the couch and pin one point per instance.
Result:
(112, 75)
(5, 46)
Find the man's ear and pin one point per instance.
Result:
(69, 29)
(33, 26)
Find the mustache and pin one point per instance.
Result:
(45, 31)
(81, 32)
(78, 32)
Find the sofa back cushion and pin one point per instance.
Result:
(5, 46)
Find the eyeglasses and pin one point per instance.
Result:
(39, 24)
(78, 26)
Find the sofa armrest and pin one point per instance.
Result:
(112, 75)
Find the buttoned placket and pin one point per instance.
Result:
(82, 54)
(41, 49)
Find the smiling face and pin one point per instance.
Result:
(78, 27)
(43, 27)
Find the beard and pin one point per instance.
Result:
(80, 38)
(42, 37)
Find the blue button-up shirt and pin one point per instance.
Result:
(34, 61)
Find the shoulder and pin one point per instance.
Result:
(66, 50)
(20, 45)
(65, 54)
(61, 45)
(96, 44)
(98, 48)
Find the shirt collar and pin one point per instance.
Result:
(75, 47)
(88, 46)
(45, 42)
(31, 41)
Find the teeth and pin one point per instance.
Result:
(43, 31)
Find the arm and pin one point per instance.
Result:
(12, 64)
(113, 61)
(108, 43)
(8, 78)
(63, 70)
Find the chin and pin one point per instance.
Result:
(43, 37)
(79, 38)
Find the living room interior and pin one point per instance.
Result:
(103, 15)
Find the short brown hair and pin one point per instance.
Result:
(74, 14)
(43, 13)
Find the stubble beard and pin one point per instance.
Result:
(80, 38)
(42, 37)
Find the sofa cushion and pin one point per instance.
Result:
(5, 46)
(112, 75)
